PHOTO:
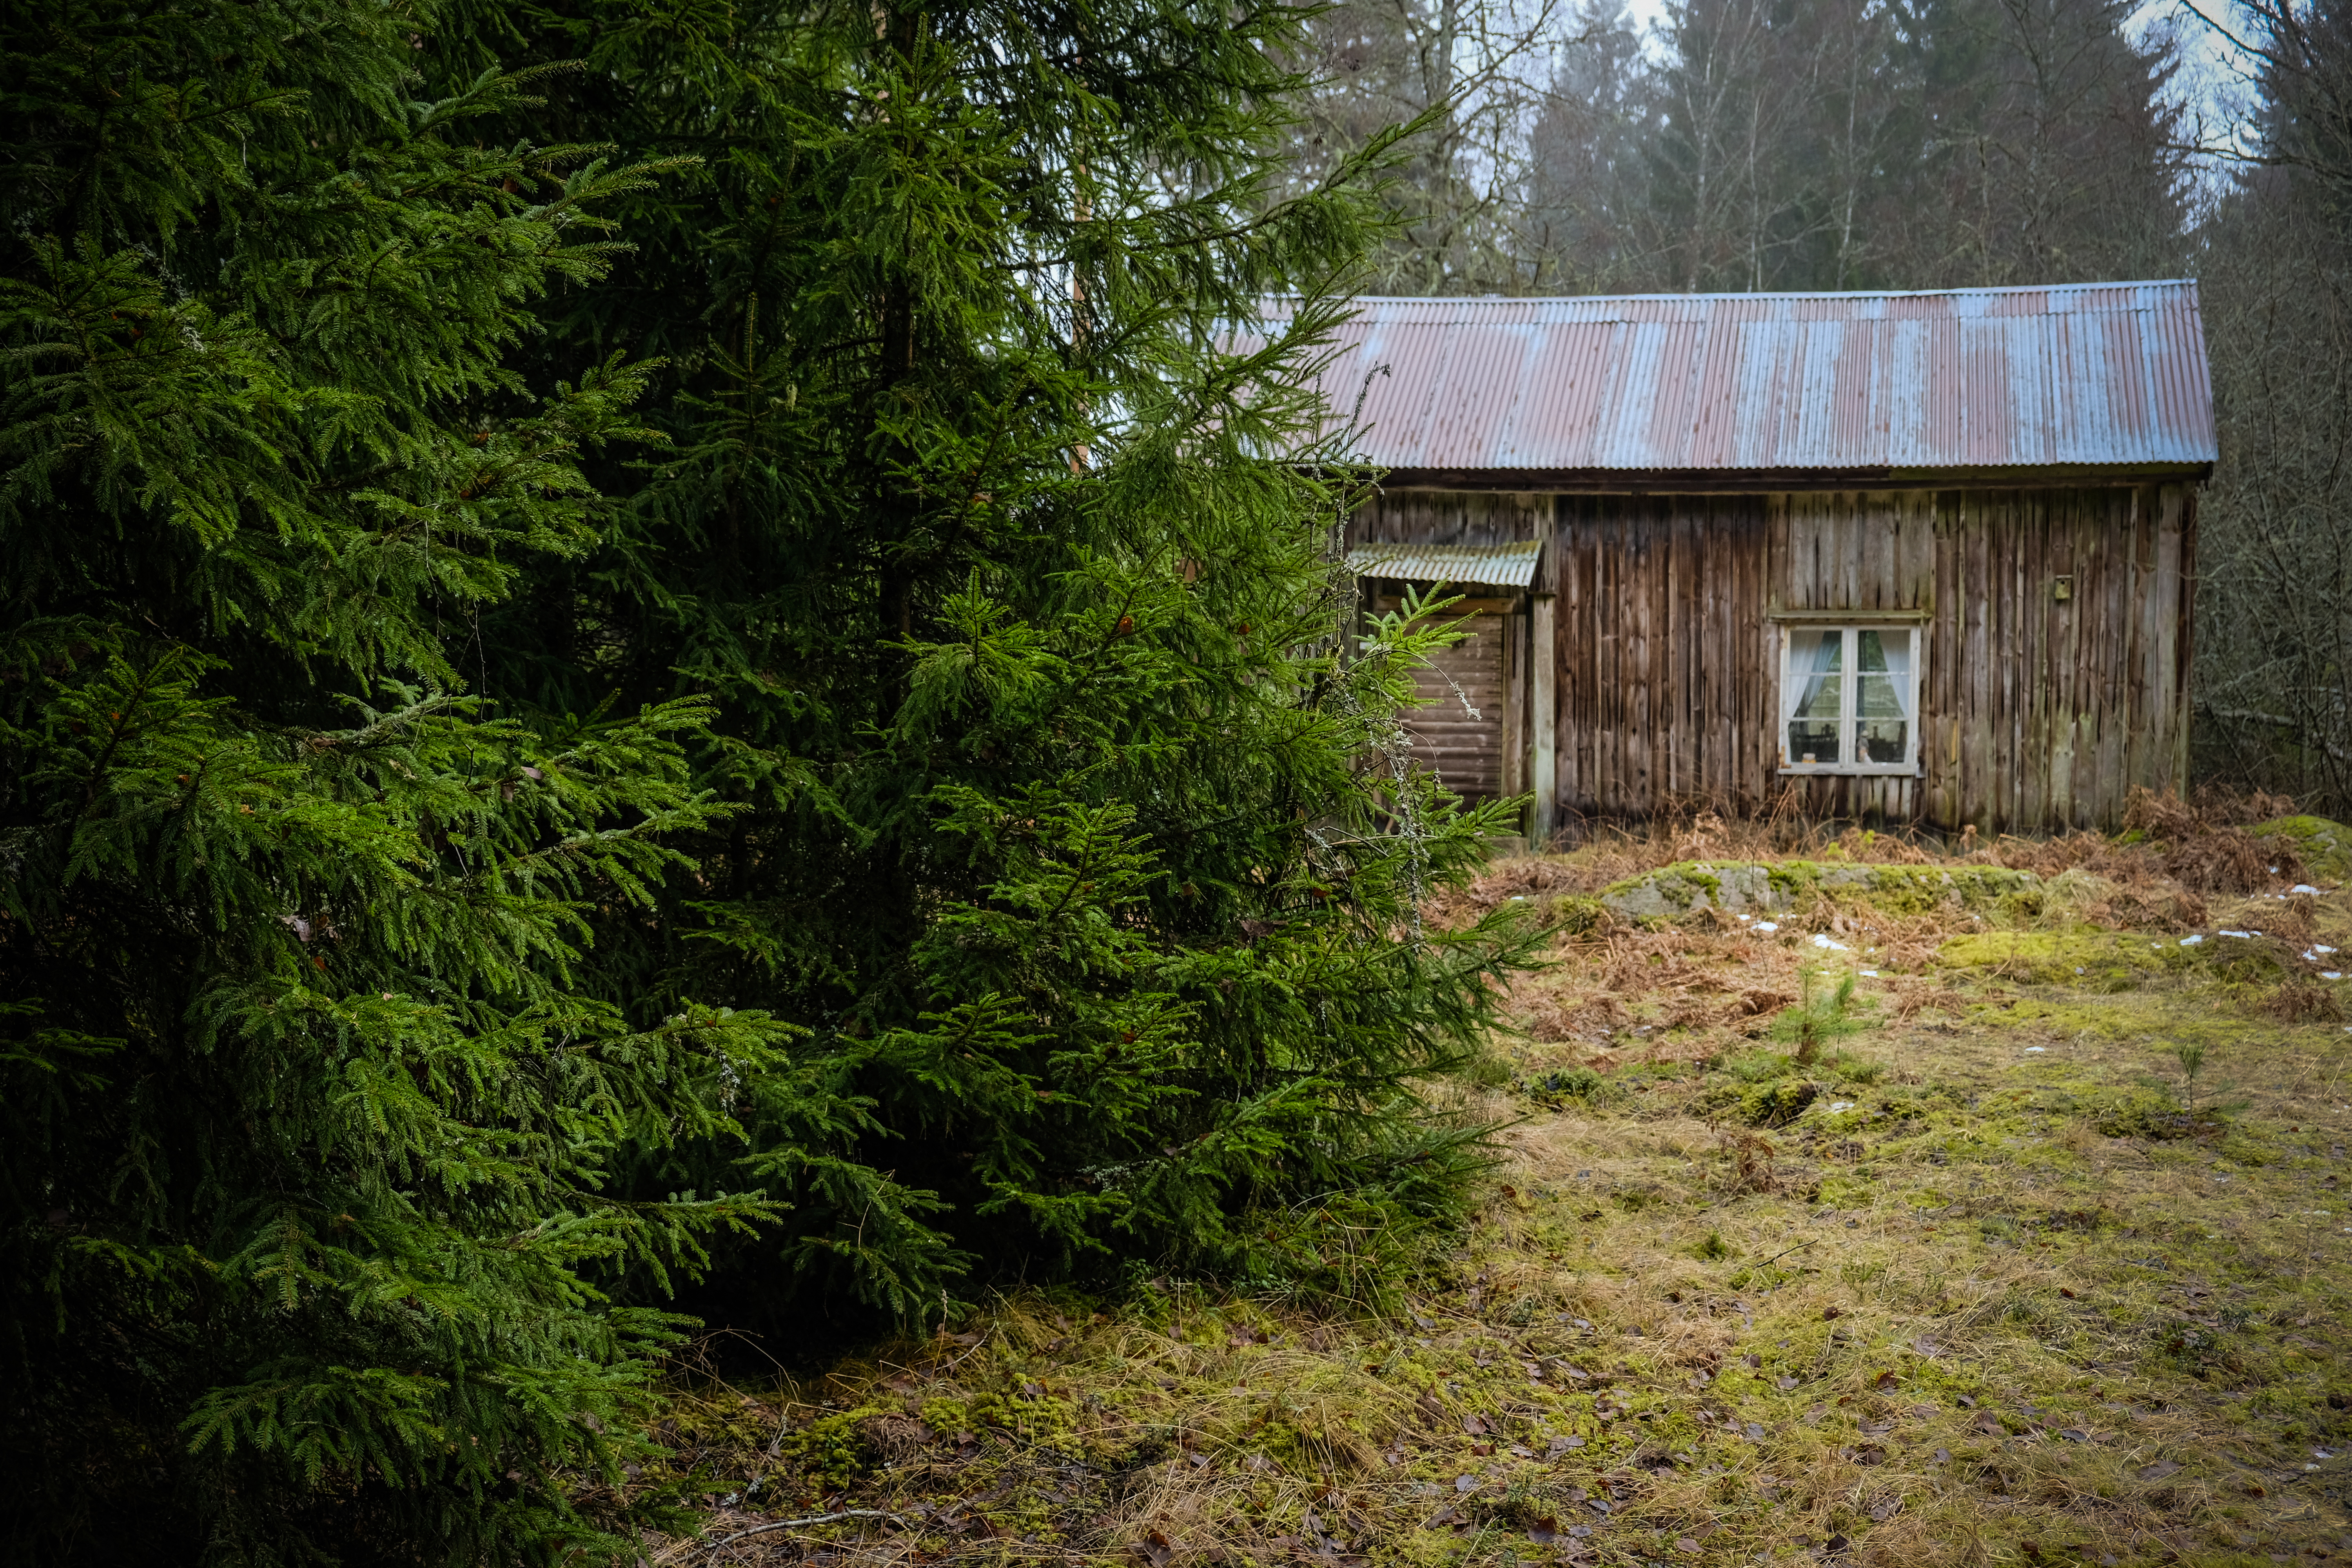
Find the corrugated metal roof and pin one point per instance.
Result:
(2108, 376)
(1487, 565)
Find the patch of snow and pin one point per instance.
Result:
(2031, 1048)
(1768, 925)
(1822, 939)
(2233, 934)
(1841, 1105)
(1870, 974)
(2303, 888)
(2190, 941)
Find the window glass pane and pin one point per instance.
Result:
(1816, 690)
(1882, 697)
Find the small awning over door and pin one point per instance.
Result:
(1481, 565)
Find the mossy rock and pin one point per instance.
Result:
(2326, 847)
(1760, 887)
(1778, 1103)
(1557, 1089)
(1574, 915)
(2150, 1113)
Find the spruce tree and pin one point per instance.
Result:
(999, 522)
(304, 1122)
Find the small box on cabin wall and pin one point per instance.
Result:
(2061, 588)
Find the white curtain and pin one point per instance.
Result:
(1802, 692)
(1897, 646)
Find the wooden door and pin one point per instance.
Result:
(1460, 734)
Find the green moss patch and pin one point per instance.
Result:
(2094, 960)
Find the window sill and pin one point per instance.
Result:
(1854, 770)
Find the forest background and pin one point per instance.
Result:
(652, 658)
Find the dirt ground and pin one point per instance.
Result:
(2044, 1260)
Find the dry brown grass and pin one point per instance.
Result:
(2205, 845)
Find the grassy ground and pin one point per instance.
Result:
(1999, 1278)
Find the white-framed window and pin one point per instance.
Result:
(1849, 698)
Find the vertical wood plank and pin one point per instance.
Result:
(1544, 764)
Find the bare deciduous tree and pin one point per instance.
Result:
(2274, 594)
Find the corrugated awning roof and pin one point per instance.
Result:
(2090, 376)
(1482, 565)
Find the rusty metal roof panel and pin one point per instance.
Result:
(2094, 375)
(1486, 565)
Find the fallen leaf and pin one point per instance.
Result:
(2158, 1470)
(1465, 1483)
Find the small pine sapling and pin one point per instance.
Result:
(1822, 1017)
(2190, 1055)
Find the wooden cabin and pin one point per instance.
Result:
(1912, 558)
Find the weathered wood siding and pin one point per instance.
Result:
(2043, 713)
(2037, 714)
(1453, 517)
